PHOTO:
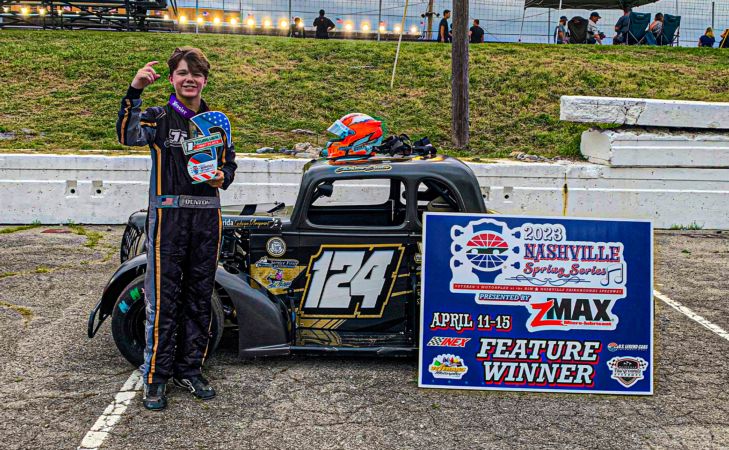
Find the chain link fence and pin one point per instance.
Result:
(372, 19)
(501, 19)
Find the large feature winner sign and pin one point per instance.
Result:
(537, 304)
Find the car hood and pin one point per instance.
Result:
(250, 216)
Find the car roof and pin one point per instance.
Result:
(440, 166)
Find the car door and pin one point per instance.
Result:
(356, 246)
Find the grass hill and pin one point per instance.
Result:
(61, 90)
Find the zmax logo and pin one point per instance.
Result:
(572, 314)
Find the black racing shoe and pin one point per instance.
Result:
(197, 385)
(154, 396)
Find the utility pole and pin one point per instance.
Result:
(459, 81)
(379, 21)
(429, 15)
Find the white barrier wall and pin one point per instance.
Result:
(105, 190)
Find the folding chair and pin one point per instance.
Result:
(578, 30)
(669, 35)
(638, 24)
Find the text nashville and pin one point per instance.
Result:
(572, 252)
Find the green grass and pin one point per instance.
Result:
(17, 228)
(25, 313)
(693, 226)
(92, 237)
(64, 88)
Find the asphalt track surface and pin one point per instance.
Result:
(55, 382)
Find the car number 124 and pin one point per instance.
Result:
(350, 282)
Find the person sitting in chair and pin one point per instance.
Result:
(707, 40)
(656, 27)
(724, 43)
(594, 35)
(622, 26)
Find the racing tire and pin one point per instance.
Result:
(128, 317)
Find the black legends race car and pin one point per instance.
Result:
(329, 274)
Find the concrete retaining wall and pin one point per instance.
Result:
(645, 112)
(638, 147)
(98, 189)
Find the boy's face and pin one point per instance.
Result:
(187, 84)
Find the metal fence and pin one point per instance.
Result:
(500, 18)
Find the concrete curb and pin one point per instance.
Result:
(105, 190)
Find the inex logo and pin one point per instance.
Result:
(440, 341)
(627, 370)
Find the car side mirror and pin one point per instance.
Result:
(278, 207)
(323, 190)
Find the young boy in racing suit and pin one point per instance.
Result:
(183, 228)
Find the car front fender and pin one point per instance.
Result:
(125, 273)
(264, 321)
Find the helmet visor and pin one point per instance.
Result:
(340, 130)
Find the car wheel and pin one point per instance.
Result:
(128, 318)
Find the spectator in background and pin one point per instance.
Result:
(323, 25)
(707, 40)
(560, 31)
(622, 26)
(476, 33)
(444, 32)
(724, 43)
(656, 27)
(297, 28)
(594, 35)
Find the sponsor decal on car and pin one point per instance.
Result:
(364, 168)
(276, 275)
(448, 366)
(258, 222)
(276, 247)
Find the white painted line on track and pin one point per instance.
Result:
(106, 422)
(692, 315)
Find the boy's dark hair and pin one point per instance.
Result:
(446, 11)
(322, 12)
(196, 60)
(476, 22)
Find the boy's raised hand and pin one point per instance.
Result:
(145, 76)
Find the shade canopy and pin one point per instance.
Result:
(586, 4)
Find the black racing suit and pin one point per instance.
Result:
(182, 242)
